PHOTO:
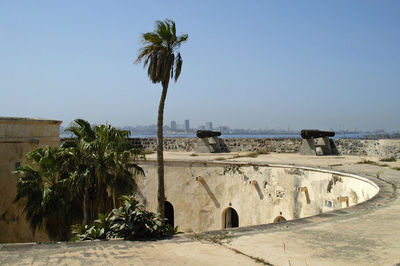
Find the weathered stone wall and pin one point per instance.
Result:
(289, 145)
(170, 144)
(201, 192)
(383, 148)
(17, 137)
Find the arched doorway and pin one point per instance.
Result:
(279, 219)
(169, 213)
(230, 218)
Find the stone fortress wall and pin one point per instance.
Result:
(383, 148)
(201, 193)
(17, 137)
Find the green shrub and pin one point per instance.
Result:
(101, 229)
(390, 159)
(131, 221)
(365, 161)
(252, 154)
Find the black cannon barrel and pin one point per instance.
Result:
(308, 133)
(207, 133)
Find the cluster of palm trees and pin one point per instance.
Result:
(73, 183)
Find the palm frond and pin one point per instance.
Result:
(178, 66)
(158, 52)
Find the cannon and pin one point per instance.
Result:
(317, 142)
(207, 141)
(314, 133)
(207, 134)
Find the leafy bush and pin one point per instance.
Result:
(101, 229)
(252, 154)
(390, 159)
(131, 221)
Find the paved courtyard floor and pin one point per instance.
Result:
(365, 234)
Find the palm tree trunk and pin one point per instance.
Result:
(160, 151)
(85, 207)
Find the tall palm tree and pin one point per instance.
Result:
(159, 53)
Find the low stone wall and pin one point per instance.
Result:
(383, 148)
(170, 144)
(281, 145)
(289, 145)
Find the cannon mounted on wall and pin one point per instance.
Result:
(317, 142)
(207, 141)
(207, 133)
(314, 133)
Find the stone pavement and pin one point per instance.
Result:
(119, 252)
(365, 234)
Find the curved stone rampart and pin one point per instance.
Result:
(201, 192)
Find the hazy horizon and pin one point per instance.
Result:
(247, 64)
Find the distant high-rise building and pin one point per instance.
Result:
(187, 125)
(209, 126)
(224, 129)
(173, 125)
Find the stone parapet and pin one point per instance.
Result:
(383, 148)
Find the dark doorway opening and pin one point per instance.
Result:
(169, 213)
(230, 218)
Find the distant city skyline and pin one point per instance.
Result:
(247, 64)
(175, 126)
(176, 129)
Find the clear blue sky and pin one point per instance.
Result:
(247, 64)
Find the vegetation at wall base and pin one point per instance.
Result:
(43, 187)
(251, 154)
(390, 159)
(130, 221)
(73, 183)
(364, 161)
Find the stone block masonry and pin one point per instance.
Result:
(170, 144)
(228, 144)
(383, 148)
(287, 145)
